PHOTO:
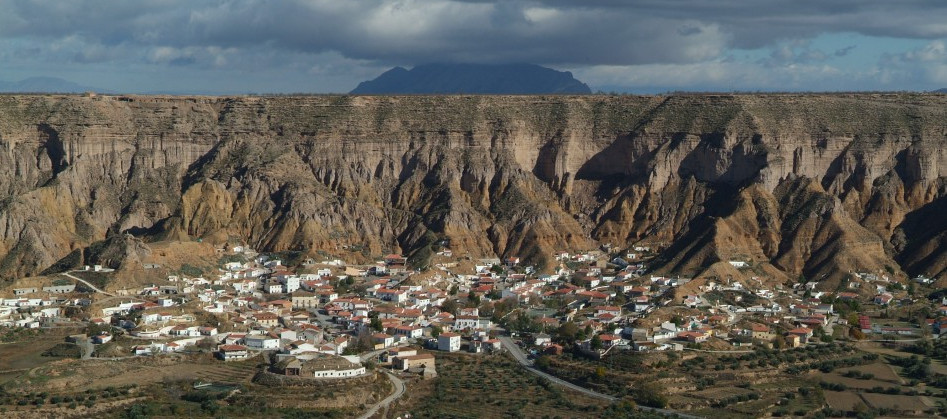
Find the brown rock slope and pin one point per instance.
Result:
(796, 184)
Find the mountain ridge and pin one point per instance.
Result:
(440, 78)
(44, 85)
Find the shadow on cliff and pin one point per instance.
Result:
(54, 149)
(699, 232)
(921, 239)
(617, 166)
(744, 160)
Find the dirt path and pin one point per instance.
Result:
(87, 283)
(397, 392)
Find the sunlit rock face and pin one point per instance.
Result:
(817, 185)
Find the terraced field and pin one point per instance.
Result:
(471, 386)
(232, 372)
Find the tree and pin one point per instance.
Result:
(486, 309)
(473, 300)
(210, 406)
(596, 343)
(449, 306)
(207, 343)
(454, 289)
(435, 331)
(502, 308)
(567, 332)
(542, 362)
(522, 322)
(779, 342)
(651, 394)
(376, 324)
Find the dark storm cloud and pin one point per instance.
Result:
(587, 32)
(757, 23)
(283, 45)
(405, 31)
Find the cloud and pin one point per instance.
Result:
(590, 32)
(348, 38)
(722, 75)
(794, 53)
(926, 64)
(841, 52)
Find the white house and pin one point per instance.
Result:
(408, 331)
(449, 342)
(231, 352)
(262, 342)
(466, 322)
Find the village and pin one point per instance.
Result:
(331, 320)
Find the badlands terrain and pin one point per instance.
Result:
(793, 185)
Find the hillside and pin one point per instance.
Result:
(520, 79)
(814, 185)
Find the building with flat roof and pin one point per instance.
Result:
(322, 366)
(449, 342)
(404, 363)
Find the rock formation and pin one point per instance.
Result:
(814, 185)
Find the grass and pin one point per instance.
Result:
(17, 358)
(895, 402)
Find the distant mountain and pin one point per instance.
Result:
(44, 85)
(474, 79)
(940, 91)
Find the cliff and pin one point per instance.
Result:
(817, 185)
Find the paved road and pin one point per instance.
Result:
(373, 354)
(521, 358)
(399, 388)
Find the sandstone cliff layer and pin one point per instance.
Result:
(816, 185)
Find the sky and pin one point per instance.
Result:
(329, 46)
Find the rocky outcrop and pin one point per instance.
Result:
(797, 184)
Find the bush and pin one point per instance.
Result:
(190, 270)
(196, 396)
(651, 395)
(210, 406)
(63, 350)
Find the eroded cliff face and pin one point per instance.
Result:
(798, 184)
